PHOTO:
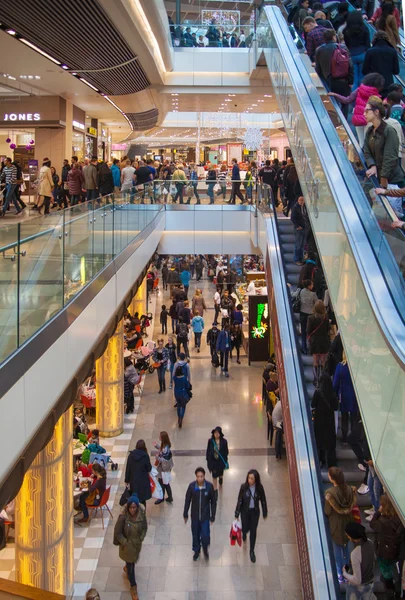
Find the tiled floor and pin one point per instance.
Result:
(166, 570)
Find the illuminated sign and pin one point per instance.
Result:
(78, 125)
(259, 330)
(92, 131)
(22, 117)
(259, 339)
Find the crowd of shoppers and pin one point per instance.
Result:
(213, 36)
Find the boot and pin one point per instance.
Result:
(134, 593)
(169, 494)
(164, 386)
(315, 372)
(180, 422)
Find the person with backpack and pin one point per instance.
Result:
(182, 336)
(333, 64)
(217, 457)
(182, 393)
(197, 325)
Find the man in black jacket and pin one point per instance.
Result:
(382, 58)
(299, 218)
(200, 494)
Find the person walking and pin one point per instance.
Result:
(236, 183)
(198, 303)
(173, 315)
(9, 176)
(45, 187)
(212, 337)
(165, 273)
(217, 303)
(129, 533)
(161, 356)
(182, 336)
(251, 495)
(182, 393)
(224, 347)
(211, 180)
(164, 313)
(90, 179)
(185, 280)
(180, 180)
(137, 472)
(339, 502)
(75, 183)
(324, 405)
(164, 465)
(201, 497)
(197, 325)
(217, 457)
(299, 218)
(359, 583)
(236, 340)
(194, 183)
(171, 348)
(318, 338)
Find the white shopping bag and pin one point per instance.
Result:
(166, 477)
(155, 486)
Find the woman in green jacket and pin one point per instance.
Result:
(129, 533)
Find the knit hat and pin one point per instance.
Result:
(133, 500)
(355, 530)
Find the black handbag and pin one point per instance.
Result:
(296, 303)
(125, 497)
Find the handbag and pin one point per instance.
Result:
(356, 514)
(226, 463)
(316, 328)
(189, 191)
(91, 497)
(155, 486)
(296, 303)
(125, 497)
(217, 187)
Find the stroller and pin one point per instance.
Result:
(144, 362)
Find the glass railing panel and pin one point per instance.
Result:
(204, 36)
(9, 290)
(378, 377)
(40, 277)
(79, 242)
(108, 224)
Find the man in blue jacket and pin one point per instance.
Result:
(236, 183)
(116, 173)
(224, 347)
(299, 218)
(185, 280)
(200, 494)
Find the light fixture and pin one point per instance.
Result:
(65, 67)
(74, 73)
(11, 31)
(27, 43)
(90, 85)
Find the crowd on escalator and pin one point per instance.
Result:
(358, 70)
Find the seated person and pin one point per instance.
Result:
(95, 492)
(277, 415)
(272, 383)
(8, 512)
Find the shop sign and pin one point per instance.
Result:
(78, 125)
(92, 131)
(118, 146)
(259, 340)
(22, 117)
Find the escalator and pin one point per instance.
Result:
(361, 255)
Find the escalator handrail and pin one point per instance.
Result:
(319, 546)
(344, 185)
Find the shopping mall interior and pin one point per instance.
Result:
(202, 312)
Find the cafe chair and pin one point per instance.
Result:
(155, 288)
(9, 525)
(103, 505)
(82, 438)
(87, 403)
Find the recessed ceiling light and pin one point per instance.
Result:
(27, 43)
(65, 67)
(11, 31)
(89, 84)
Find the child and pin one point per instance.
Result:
(163, 318)
(94, 436)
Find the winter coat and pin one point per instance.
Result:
(198, 304)
(185, 368)
(391, 29)
(116, 173)
(185, 277)
(343, 386)
(360, 96)
(197, 324)
(242, 505)
(45, 182)
(203, 502)
(212, 337)
(381, 148)
(181, 389)
(388, 538)
(214, 461)
(339, 503)
(318, 334)
(130, 533)
(185, 314)
(105, 181)
(224, 341)
(137, 474)
(75, 182)
(324, 419)
(382, 58)
(90, 177)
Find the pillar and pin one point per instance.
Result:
(110, 386)
(55, 143)
(139, 301)
(178, 12)
(44, 516)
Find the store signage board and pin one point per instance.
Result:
(22, 117)
(78, 125)
(32, 163)
(92, 131)
(118, 146)
(259, 340)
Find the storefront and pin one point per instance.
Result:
(78, 132)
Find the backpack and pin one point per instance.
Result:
(292, 13)
(340, 62)
(183, 331)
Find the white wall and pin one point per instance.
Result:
(30, 400)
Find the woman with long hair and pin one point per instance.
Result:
(95, 492)
(318, 338)
(324, 404)
(137, 472)
(164, 465)
(357, 39)
(251, 495)
(388, 23)
(217, 456)
(182, 392)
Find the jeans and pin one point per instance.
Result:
(181, 341)
(196, 193)
(342, 556)
(171, 372)
(210, 192)
(360, 592)
(299, 235)
(358, 61)
(83, 505)
(201, 534)
(74, 199)
(181, 410)
(164, 327)
(131, 573)
(250, 520)
(10, 196)
(236, 192)
(91, 195)
(174, 325)
(179, 193)
(375, 488)
(217, 308)
(361, 132)
(161, 371)
(224, 356)
(249, 193)
(197, 338)
(345, 423)
(222, 190)
(303, 321)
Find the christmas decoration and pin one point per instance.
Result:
(253, 138)
(13, 146)
(8, 140)
(32, 142)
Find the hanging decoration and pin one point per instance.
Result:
(32, 142)
(253, 138)
(8, 140)
(13, 146)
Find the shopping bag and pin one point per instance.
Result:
(124, 497)
(166, 477)
(168, 365)
(155, 486)
(173, 189)
(189, 191)
(217, 187)
(235, 535)
(215, 360)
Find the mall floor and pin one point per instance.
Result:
(166, 570)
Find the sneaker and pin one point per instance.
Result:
(370, 518)
(370, 511)
(363, 489)
(226, 373)
(361, 467)
(196, 556)
(170, 386)
(341, 579)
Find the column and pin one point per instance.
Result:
(44, 516)
(55, 144)
(139, 301)
(110, 386)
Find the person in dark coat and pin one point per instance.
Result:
(105, 180)
(382, 58)
(202, 498)
(324, 405)
(217, 456)
(137, 472)
(343, 385)
(318, 338)
(335, 355)
(224, 347)
(251, 495)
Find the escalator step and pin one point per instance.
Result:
(287, 246)
(293, 278)
(287, 238)
(288, 258)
